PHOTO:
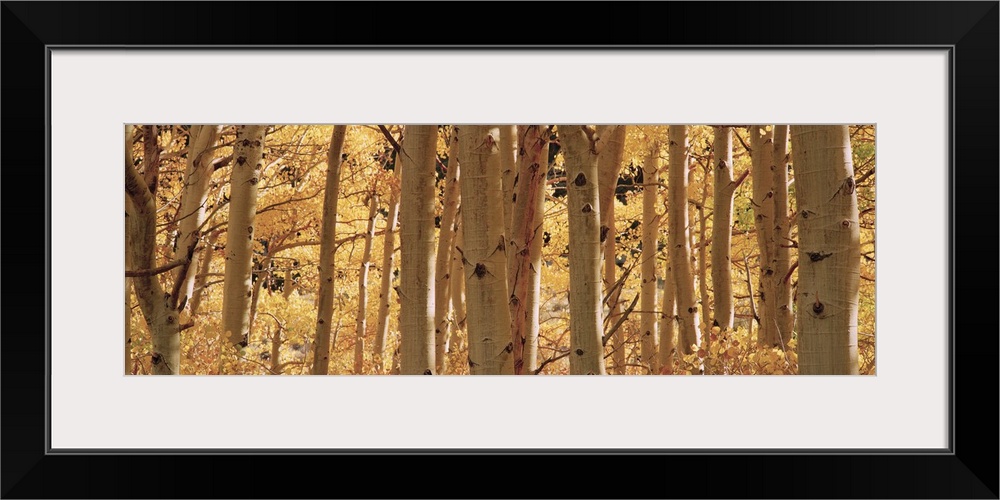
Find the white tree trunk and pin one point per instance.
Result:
(457, 272)
(485, 252)
(360, 321)
(782, 236)
(416, 243)
(579, 146)
(237, 292)
(678, 240)
(525, 245)
(197, 178)
(609, 164)
(722, 228)
(668, 322)
(446, 241)
(829, 250)
(388, 263)
(327, 249)
(204, 267)
(761, 144)
(508, 172)
(650, 231)
(156, 305)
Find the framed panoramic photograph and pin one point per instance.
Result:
(315, 220)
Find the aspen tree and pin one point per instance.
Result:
(829, 250)
(327, 249)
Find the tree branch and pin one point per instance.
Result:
(156, 270)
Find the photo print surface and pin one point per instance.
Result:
(469, 249)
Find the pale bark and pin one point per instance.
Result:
(388, 263)
(762, 148)
(416, 243)
(668, 322)
(763, 205)
(609, 167)
(650, 230)
(484, 255)
(288, 286)
(205, 265)
(446, 241)
(525, 249)
(508, 172)
(829, 250)
(262, 271)
(703, 264)
(197, 177)
(457, 272)
(689, 335)
(157, 306)
(327, 251)
(360, 321)
(722, 228)
(614, 300)
(579, 146)
(276, 366)
(782, 236)
(237, 291)
(609, 163)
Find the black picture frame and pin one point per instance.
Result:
(967, 470)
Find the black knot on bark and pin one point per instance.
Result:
(581, 179)
(579, 352)
(428, 372)
(587, 208)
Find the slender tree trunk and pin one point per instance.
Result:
(361, 320)
(262, 271)
(609, 167)
(609, 164)
(650, 231)
(276, 342)
(763, 203)
(485, 252)
(579, 146)
(446, 240)
(668, 322)
(508, 172)
(388, 262)
(703, 262)
(782, 236)
(525, 256)
(205, 266)
(237, 292)
(614, 300)
(327, 249)
(680, 248)
(722, 228)
(197, 177)
(416, 243)
(157, 306)
(457, 272)
(753, 307)
(829, 250)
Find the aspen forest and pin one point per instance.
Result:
(283, 249)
